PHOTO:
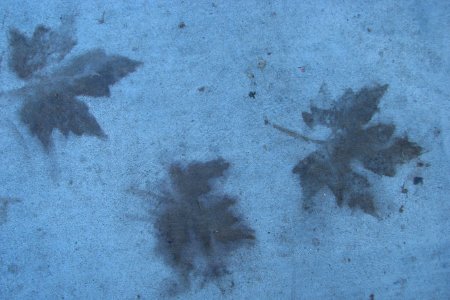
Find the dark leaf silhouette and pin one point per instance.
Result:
(197, 229)
(352, 139)
(59, 111)
(28, 55)
(92, 73)
(50, 100)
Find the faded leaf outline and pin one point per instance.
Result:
(50, 96)
(4, 205)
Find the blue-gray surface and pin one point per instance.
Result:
(80, 216)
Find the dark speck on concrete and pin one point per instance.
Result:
(418, 180)
(252, 94)
(13, 269)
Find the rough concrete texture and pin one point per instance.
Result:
(183, 83)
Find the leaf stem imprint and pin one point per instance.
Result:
(293, 133)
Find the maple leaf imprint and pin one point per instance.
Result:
(196, 228)
(50, 98)
(351, 139)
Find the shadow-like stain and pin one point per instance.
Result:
(197, 229)
(50, 98)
